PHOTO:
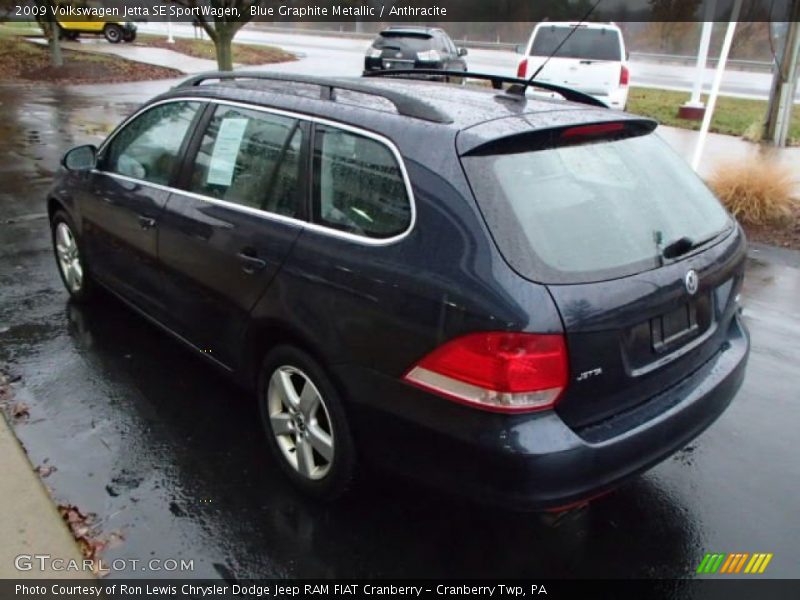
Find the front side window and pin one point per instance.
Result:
(358, 185)
(147, 148)
(441, 44)
(250, 158)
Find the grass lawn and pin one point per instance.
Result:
(733, 116)
(20, 28)
(24, 61)
(244, 54)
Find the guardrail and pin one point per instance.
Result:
(370, 36)
(651, 57)
(685, 59)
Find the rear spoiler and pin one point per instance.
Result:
(523, 138)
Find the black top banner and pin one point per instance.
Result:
(396, 11)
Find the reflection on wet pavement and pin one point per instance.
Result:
(169, 454)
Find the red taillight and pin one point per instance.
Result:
(624, 75)
(592, 130)
(497, 371)
(522, 68)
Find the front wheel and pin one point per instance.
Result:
(70, 258)
(113, 33)
(303, 417)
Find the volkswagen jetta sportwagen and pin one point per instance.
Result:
(524, 300)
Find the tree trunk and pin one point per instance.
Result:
(223, 47)
(56, 59)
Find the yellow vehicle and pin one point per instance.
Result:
(89, 23)
(113, 31)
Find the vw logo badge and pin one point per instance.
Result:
(692, 281)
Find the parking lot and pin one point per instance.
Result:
(170, 457)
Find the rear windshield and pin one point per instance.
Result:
(415, 42)
(586, 43)
(592, 212)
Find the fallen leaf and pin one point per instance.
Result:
(20, 411)
(80, 530)
(45, 470)
(88, 541)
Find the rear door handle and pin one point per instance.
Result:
(146, 222)
(250, 262)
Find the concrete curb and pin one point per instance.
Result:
(29, 521)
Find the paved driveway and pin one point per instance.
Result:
(170, 454)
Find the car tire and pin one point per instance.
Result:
(306, 427)
(129, 36)
(70, 258)
(113, 33)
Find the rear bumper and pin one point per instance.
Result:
(535, 461)
(376, 64)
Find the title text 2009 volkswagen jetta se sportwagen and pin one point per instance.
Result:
(522, 300)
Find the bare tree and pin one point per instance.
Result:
(222, 29)
(51, 31)
(47, 23)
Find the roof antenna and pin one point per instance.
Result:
(521, 90)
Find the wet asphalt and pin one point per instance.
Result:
(170, 455)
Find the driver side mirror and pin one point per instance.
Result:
(80, 158)
(462, 51)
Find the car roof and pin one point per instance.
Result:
(585, 24)
(460, 108)
(409, 29)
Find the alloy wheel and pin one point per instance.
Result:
(69, 260)
(300, 422)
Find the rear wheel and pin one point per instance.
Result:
(113, 33)
(305, 423)
(129, 36)
(70, 258)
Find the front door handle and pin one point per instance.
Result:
(250, 262)
(146, 222)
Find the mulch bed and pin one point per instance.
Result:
(26, 62)
(784, 236)
(243, 54)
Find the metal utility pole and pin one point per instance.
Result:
(695, 109)
(784, 83)
(715, 85)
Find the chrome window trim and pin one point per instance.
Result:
(315, 227)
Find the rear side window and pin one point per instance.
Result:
(591, 212)
(250, 158)
(587, 43)
(358, 185)
(147, 148)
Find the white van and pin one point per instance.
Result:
(593, 59)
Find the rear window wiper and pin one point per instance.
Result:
(684, 245)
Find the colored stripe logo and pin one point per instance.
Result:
(736, 562)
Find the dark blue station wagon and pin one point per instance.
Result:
(522, 300)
